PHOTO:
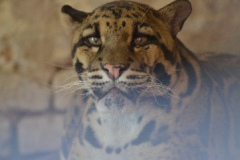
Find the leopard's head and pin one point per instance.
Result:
(126, 50)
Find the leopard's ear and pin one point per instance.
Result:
(175, 14)
(73, 17)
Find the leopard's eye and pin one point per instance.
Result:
(140, 41)
(94, 41)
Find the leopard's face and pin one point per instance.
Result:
(129, 60)
(124, 53)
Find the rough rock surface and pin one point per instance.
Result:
(20, 92)
(40, 133)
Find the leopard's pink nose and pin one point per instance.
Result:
(114, 71)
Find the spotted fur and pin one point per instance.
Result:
(146, 95)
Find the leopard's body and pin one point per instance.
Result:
(146, 96)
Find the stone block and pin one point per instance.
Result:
(5, 136)
(51, 156)
(18, 92)
(40, 133)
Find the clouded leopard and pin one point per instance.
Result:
(146, 96)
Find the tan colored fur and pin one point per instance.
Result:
(186, 107)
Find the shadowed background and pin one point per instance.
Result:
(35, 62)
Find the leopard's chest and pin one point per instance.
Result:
(147, 133)
(117, 122)
(128, 138)
(128, 152)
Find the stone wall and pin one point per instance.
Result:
(35, 66)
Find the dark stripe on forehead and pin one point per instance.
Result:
(134, 9)
(105, 16)
(116, 10)
(136, 15)
(117, 13)
(96, 16)
(142, 9)
(141, 25)
(94, 27)
(128, 16)
(144, 29)
(116, 5)
(89, 26)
